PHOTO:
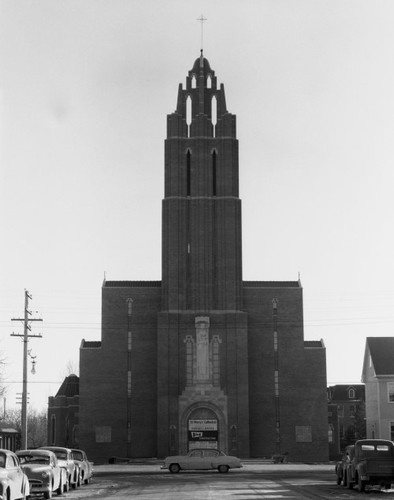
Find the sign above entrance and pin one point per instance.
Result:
(203, 425)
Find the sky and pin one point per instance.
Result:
(85, 87)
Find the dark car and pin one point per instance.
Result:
(370, 463)
(85, 467)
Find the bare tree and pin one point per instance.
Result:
(36, 426)
(72, 368)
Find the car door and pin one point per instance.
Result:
(212, 457)
(194, 460)
(15, 474)
(55, 471)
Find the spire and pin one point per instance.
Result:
(202, 19)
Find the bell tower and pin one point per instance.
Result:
(202, 256)
(202, 330)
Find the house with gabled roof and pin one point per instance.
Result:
(378, 377)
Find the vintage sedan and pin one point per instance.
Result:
(202, 459)
(65, 460)
(43, 471)
(85, 467)
(14, 484)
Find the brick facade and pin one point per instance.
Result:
(202, 357)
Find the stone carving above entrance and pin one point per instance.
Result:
(202, 355)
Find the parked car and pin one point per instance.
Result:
(65, 460)
(371, 463)
(202, 458)
(14, 483)
(85, 467)
(340, 467)
(43, 471)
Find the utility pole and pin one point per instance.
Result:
(26, 329)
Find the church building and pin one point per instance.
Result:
(202, 358)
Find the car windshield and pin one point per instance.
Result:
(61, 455)
(33, 459)
(77, 455)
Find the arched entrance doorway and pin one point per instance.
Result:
(203, 426)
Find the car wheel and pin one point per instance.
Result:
(48, 494)
(60, 490)
(223, 468)
(174, 468)
(66, 486)
(361, 484)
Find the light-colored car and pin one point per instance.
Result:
(85, 467)
(43, 471)
(202, 459)
(14, 484)
(65, 460)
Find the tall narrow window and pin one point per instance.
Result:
(194, 82)
(188, 173)
(188, 114)
(214, 173)
(53, 430)
(214, 106)
(209, 82)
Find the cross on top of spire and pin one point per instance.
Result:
(202, 19)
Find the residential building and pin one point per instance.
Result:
(347, 420)
(378, 377)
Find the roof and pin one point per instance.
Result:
(314, 344)
(129, 284)
(95, 344)
(69, 387)
(272, 284)
(382, 354)
(340, 392)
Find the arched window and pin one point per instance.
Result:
(188, 114)
(209, 82)
(351, 393)
(194, 82)
(214, 112)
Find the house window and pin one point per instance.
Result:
(340, 410)
(352, 411)
(351, 393)
(390, 392)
